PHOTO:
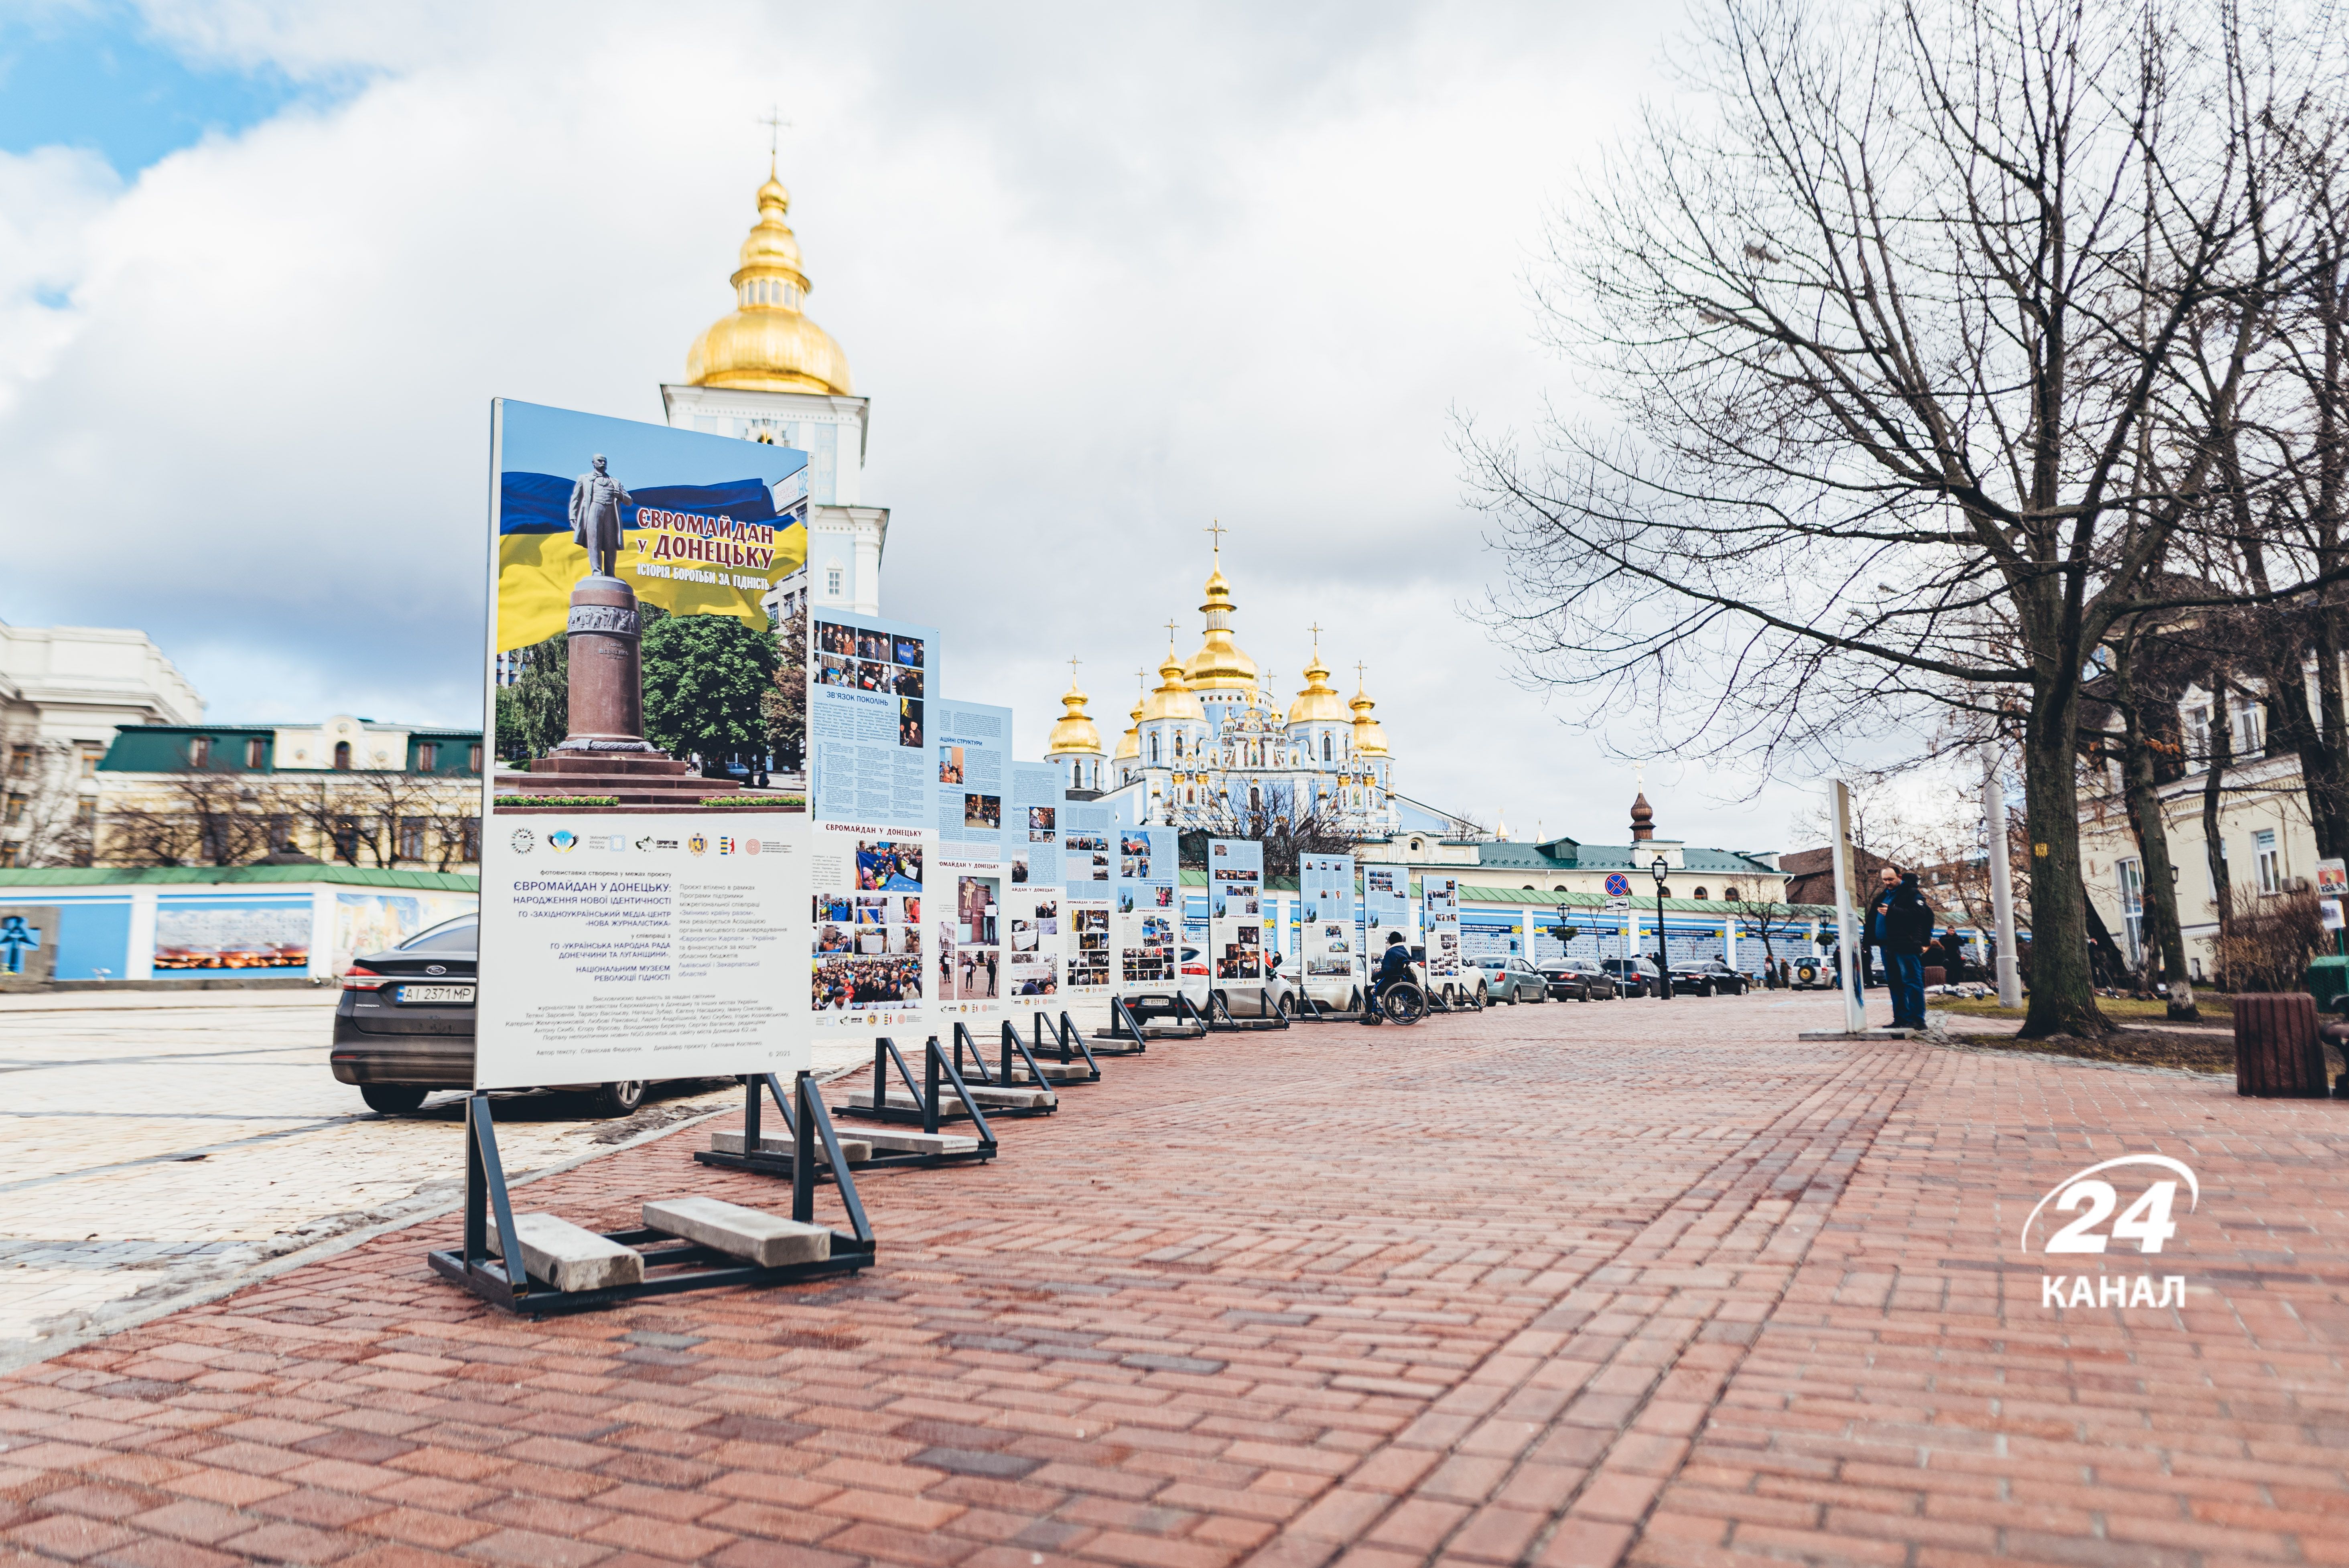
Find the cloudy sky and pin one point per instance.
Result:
(1106, 273)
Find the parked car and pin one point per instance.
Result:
(1707, 978)
(1811, 974)
(1579, 978)
(1511, 980)
(1242, 998)
(1637, 976)
(404, 1025)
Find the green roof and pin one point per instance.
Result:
(150, 876)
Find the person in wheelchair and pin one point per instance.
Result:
(1393, 967)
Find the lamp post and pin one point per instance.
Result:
(1664, 949)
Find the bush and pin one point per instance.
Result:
(2268, 944)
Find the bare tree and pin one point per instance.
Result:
(1290, 828)
(196, 817)
(41, 802)
(1924, 345)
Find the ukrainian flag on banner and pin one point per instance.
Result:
(690, 564)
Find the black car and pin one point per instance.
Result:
(404, 1026)
(1707, 978)
(1580, 978)
(1635, 976)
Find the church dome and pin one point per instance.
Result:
(767, 344)
(1219, 665)
(1173, 700)
(1075, 731)
(1319, 703)
(1368, 738)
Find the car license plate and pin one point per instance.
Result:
(436, 994)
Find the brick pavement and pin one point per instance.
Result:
(1555, 1286)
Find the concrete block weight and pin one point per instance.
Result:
(856, 1151)
(768, 1240)
(568, 1257)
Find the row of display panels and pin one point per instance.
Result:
(928, 879)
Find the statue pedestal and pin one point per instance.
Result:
(608, 670)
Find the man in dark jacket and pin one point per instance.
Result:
(1907, 925)
(1871, 924)
(1393, 965)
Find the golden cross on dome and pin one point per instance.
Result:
(1316, 630)
(1072, 672)
(774, 121)
(1357, 672)
(1218, 530)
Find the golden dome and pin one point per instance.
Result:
(1319, 703)
(767, 344)
(1219, 665)
(1075, 731)
(1173, 700)
(1368, 738)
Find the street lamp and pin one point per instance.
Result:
(1664, 949)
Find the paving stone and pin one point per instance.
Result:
(1591, 1286)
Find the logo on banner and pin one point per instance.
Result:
(2146, 1222)
(749, 846)
(562, 840)
(725, 846)
(645, 843)
(697, 845)
(524, 840)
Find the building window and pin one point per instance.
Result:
(2267, 860)
(7, 856)
(428, 756)
(342, 757)
(1700, 892)
(16, 810)
(834, 579)
(473, 826)
(90, 756)
(199, 751)
(2249, 742)
(256, 753)
(86, 814)
(2130, 872)
(411, 838)
(347, 839)
(20, 760)
(1729, 892)
(1325, 746)
(2197, 734)
(473, 760)
(1154, 749)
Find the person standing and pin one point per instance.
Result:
(1871, 924)
(1907, 926)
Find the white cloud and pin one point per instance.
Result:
(1105, 274)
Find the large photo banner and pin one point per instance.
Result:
(1087, 946)
(1386, 907)
(972, 744)
(1236, 911)
(1149, 911)
(642, 911)
(872, 793)
(1328, 941)
(1440, 897)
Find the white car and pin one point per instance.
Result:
(1242, 998)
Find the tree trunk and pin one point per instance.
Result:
(2062, 987)
(2158, 924)
(2291, 726)
(2214, 848)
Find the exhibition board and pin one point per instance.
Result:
(1088, 946)
(1327, 944)
(658, 937)
(1034, 903)
(1440, 927)
(1148, 944)
(1235, 912)
(873, 791)
(972, 744)
(1386, 906)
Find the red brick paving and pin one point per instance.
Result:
(1558, 1285)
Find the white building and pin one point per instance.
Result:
(764, 372)
(63, 691)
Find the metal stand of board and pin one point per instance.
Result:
(1315, 1011)
(1219, 1016)
(1129, 1029)
(671, 1263)
(757, 1158)
(929, 1106)
(1071, 1047)
(1013, 1045)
